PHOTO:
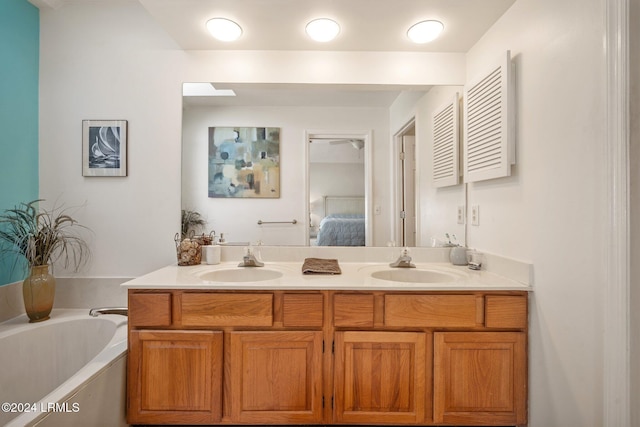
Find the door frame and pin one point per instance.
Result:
(396, 186)
(617, 310)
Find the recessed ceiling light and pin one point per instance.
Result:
(425, 31)
(322, 29)
(224, 29)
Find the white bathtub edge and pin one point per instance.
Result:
(102, 361)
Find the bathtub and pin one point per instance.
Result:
(67, 371)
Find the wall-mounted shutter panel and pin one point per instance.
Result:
(489, 139)
(446, 137)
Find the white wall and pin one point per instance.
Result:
(238, 218)
(552, 211)
(437, 209)
(109, 60)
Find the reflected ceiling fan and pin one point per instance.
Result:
(356, 143)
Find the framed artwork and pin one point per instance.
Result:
(244, 162)
(104, 148)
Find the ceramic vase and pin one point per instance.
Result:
(38, 291)
(458, 255)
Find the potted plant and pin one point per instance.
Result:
(41, 237)
(190, 221)
(188, 248)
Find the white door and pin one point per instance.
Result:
(408, 196)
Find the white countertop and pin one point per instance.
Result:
(355, 276)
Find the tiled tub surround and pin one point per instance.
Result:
(71, 292)
(69, 369)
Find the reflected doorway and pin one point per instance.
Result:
(405, 142)
(338, 186)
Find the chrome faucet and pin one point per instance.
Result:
(403, 261)
(94, 312)
(250, 260)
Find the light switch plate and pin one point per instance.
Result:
(460, 215)
(475, 215)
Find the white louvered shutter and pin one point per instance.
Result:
(489, 138)
(446, 143)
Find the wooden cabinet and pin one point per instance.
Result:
(452, 311)
(225, 357)
(380, 377)
(479, 377)
(175, 377)
(199, 309)
(276, 377)
(327, 357)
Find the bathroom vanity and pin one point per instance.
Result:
(369, 346)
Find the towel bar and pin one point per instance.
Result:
(260, 222)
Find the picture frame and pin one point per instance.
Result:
(104, 148)
(244, 162)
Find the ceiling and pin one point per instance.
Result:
(309, 95)
(366, 25)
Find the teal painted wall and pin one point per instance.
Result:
(19, 67)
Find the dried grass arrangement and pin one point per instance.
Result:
(43, 237)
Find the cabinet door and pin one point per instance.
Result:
(480, 378)
(276, 377)
(175, 377)
(380, 377)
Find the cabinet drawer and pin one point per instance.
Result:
(150, 309)
(222, 309)
(504, 311)
(300, 310)
(430, 310)
(353, 310)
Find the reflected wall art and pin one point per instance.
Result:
(244, 162)
(104, 148)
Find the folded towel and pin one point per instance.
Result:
(320, 266)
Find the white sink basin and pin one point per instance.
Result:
(414, 275)
(247, 274)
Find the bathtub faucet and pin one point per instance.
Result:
(108, 310)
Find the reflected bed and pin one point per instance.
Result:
(341, 230)
(343, 223)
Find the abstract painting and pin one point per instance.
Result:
(104, 148)
(244, 162)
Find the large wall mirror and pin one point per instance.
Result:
(338, 155)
